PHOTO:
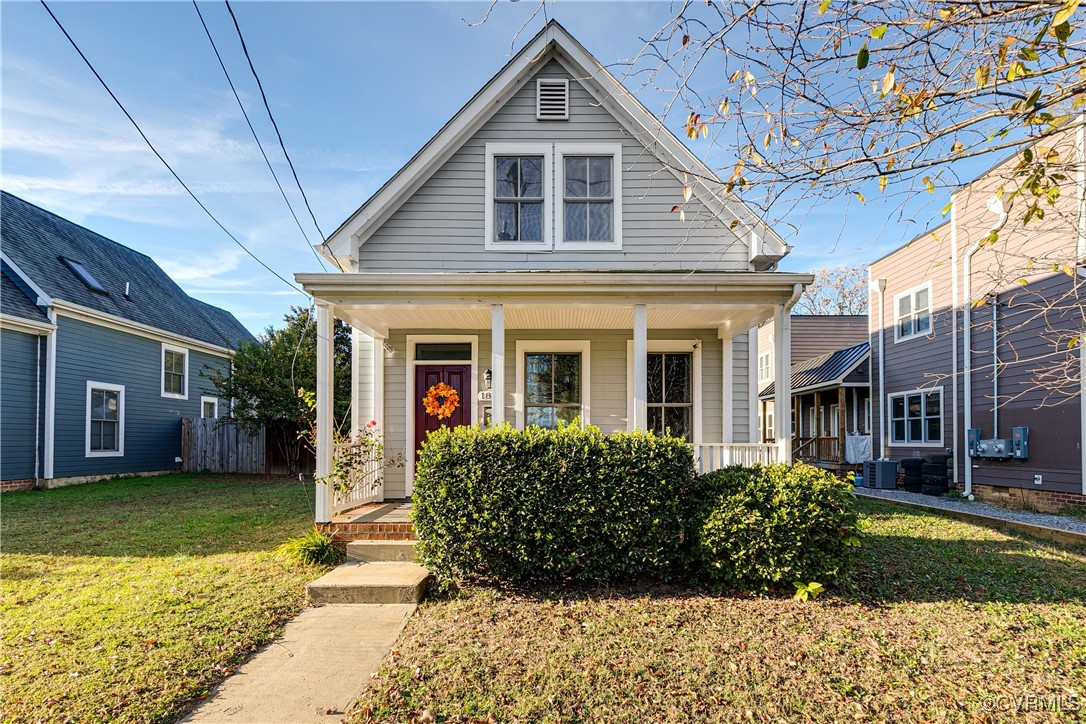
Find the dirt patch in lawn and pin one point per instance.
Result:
(942, 619)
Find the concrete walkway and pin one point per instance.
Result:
(313, 672)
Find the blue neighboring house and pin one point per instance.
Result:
(101, 354)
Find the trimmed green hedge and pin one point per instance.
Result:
(769, 526)
(504, 504)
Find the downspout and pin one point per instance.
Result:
(995, 365)
(50, 396)
(998, 206)
(879, 287)
(37, 416)
(954, 302)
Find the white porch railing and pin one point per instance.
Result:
(710, 456)
(365, 486)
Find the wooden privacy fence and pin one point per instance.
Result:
(222, 449)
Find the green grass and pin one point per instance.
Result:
(126, 600)
(939, 619)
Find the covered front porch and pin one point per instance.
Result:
(621, 351)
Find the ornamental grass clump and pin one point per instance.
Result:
(501, 504)
(767, 527)
(314, 548)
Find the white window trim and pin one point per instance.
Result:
(162, 372)
(890, 420)
(527, 346)
(410, 401)
(768, 357)
(692, 346)
(546, 150)
(204, 400)
(119, 452)
(931, 316)
(561, 150)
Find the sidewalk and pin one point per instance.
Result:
(313, 672)
(1059, 528)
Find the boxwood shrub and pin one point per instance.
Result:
(573, 503)
(768, 526)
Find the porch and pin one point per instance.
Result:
(649, 351)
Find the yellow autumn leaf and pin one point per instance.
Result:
(888, 81)
(860, 197)
(1065, 12)
(724, 106)
(882, 182)
(981, 75)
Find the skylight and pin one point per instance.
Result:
(85, 276)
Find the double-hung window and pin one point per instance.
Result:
(912, 313)
(552, 388)
(671, 397)
(105, 420)
(765, 367)
(916, 418)
(175, 372)
(577, 186)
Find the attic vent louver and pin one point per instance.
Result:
(552, 99)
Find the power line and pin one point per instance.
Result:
(159, 155)
(256, 138)
(275, 125)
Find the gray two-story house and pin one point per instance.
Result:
(554, 253)
(101, 354)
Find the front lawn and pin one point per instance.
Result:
(126, 599)
(941, 619)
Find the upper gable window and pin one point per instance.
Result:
(912, 313)
(584, 191)
(85, 276)
(518, 198)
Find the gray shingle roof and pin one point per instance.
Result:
(14, 301)
(823, 370)
(38, 242)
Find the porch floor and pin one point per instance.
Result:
(389, 520)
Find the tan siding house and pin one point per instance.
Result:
(529, 257)
(967, 334)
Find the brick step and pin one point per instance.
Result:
(373, 551)
(369, 531)
(385, 582)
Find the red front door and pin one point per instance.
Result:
(426, 376)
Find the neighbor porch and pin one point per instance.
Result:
(619, 351)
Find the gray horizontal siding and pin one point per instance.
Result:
(20, 374)
(152, 428)
(441, 226)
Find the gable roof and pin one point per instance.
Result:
(824, 371)
(553, 41)
(39, 243)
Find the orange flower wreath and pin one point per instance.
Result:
(441, 400)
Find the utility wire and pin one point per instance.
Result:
(275, 125)
(256, 138)
(159, 155)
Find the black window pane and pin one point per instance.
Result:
(677, 420)
(541, 417)
(897, 408)
(905, 328)
(599, 221)
(538, 384)
(576, 177)
(677, 378)
(505, 177)
(98, 404)
(599, 176)
(109, 436)
(111, 411)
(934, 430)
(443, 351)
(531, 222)
(531, 177)
(899, 431)
(567, 378)
(915, 405)
(568, 414)
(656, 420)
(505, 221)
(916, 430)
(576, 227)
(931, 407)
(656, 378)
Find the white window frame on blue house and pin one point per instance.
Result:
(109, 387)
(183, 351)
(914, 315)
(204, 399)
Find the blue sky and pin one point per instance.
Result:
(356, 88)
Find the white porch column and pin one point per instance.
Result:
(378, 381)
(727, 411)
(325, 362)
(641, 367)
(782, 384)
(497, 364)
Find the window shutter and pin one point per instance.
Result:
(552, 99)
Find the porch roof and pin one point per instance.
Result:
(731, 302)
(828, 370)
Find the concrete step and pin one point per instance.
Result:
(372, 551)
(388, 582)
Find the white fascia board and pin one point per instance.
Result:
(75, 311)
(30, 326)
(44, 299)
